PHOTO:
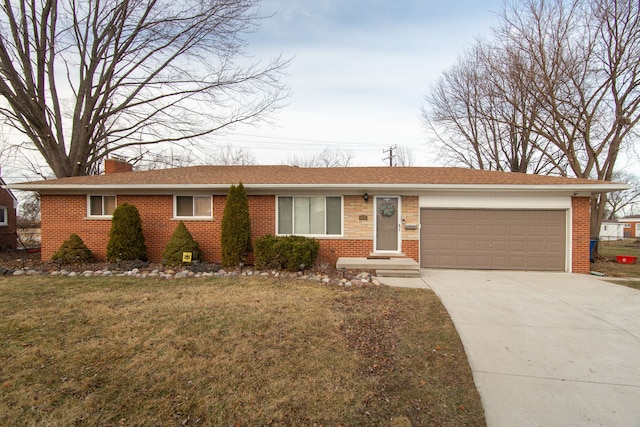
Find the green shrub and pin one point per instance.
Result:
(73, 251)
(265, 253)
(126, 241)
(181, 241)
(286, 252)
(235, 233)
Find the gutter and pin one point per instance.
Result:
(318, 188)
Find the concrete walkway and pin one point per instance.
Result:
(547, 349)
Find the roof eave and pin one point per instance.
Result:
(266, 188)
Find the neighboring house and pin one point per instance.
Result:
(440, 217)
(8, 219)
(631, 226)
(611, 230)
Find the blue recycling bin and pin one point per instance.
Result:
(592, 246)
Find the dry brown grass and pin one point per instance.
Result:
(240, 351)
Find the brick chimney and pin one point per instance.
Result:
(116, 165)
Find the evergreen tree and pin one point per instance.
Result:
(126, 241)
(236, 227)
(181, 241)
(73, 251)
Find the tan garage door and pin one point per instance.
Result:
(493, 239)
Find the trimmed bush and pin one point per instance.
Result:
(73, 251)
(265, 253)
(181, 241)
(286, 252)
(235, 233)
(126, 241)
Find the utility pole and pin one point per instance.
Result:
(390, 157)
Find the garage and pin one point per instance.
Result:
(493, 239)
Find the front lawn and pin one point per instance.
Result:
(228, 351)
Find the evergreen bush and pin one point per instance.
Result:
(299, 252)
(181, 241)
(235, 234)
(126, 241)
(265, 253)
(73, 251)
(286, 252)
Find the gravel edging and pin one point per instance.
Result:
(345, 279)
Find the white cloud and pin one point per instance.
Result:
(359, 81)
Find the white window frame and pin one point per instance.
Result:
(89, 196)
(341, 234)
(5, 211)
(193, 201)
(637, 229)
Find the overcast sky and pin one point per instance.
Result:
(359, 73)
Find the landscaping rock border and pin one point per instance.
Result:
(345, 279)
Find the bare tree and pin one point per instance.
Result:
(327, 158)
(476, 110)
(142, 158)
(228, 155)
(568, 71)
(403, 156)
(585, 79)
(83, 79)
(29, 213)
(622, 203)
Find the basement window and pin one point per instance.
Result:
(101, 206)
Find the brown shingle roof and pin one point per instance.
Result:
(283, 175)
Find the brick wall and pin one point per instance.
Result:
(359, 230)
(63, 215)
(8, 239)
(581, 220)
(358, 217)
(411, 215)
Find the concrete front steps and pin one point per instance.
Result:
(383, 266)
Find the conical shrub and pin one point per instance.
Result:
(181, 241)
(73, 251)
(236, 227)
(126, 241)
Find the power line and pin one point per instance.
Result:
(323, 141)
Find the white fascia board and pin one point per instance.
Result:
(408, 189)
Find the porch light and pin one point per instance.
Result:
(366, 197)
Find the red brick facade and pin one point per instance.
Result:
(8, 236)
(63, 215)
(580, 226)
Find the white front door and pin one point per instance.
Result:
(387, 228)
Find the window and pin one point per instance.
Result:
(192, 206)
(4, 215)
(102, 205)
(310, 215)
(637, 229)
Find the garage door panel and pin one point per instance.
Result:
(493, 239)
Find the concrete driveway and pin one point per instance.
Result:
(547, 349)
